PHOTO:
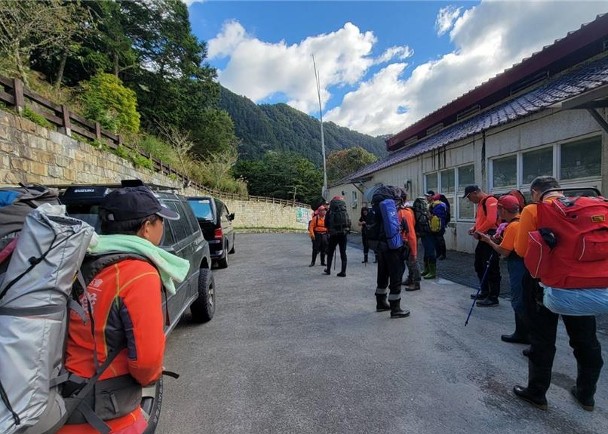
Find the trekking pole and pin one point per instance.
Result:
(483, 279)
(334, 260)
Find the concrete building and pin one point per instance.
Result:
(544, 116)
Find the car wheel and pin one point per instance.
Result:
(203, 307)
(223, 262)
(151, 401)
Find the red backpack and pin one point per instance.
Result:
(569, 250)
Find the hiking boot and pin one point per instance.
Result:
(413, 287)
(312, 264)
(409, 281)
(396, 311)
(525, 394)
(432, 274)
(514, 338)
(326, 271)
(526, 352)
(488, 302)
(478, 296)
(586, 404)
(381, 303)
(341, 274)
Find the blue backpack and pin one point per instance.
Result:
(391, 223)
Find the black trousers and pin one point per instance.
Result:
(491, 286)
(390, 273)
(336, 240)
(364, 243)
(542, 326)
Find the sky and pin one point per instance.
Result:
(382, 65)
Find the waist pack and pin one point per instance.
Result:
(570, 248)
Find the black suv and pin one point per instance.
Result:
(216, 223)
(183, 238)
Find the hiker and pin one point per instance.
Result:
(423, 232)
(318, 235)
(485, 223)
(338, 225)
(503, 242)
(543, 323)
(439, 206)
(406, 214)
(364, 243)
(125, 302)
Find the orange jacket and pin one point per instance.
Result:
(317, 225)
(407, 214)
(486, 220)
(127, 307)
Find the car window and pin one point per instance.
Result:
(87, 213)
(202, 208)
(168, 236)
(180, 227)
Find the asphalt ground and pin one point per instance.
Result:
(291, 350)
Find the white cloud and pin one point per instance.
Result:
(258, 69)
(445, 19)
(487, 38)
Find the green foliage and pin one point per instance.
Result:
(30, 114)
(282, 175)
(282, 128)
(108, 102)
(344, 162)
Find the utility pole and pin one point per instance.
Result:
(324, 190)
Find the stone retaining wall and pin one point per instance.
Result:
(30, 153)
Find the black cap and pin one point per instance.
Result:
(130, 203)
(430, 193)
(470, 189)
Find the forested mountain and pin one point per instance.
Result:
(279, 127)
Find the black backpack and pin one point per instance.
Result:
(421, 215)
(339, 221)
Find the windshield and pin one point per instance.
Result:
(202, 208)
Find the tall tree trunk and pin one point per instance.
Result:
(116, 64)
(20, 68)
(59, 79)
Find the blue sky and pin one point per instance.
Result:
(383, 65)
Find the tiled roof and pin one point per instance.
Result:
(571, 84)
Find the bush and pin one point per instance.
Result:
(107, 101)
(30, 114)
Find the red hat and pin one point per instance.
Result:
(509, 202)
(436, 196)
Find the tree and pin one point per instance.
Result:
(108, 102)
(282, 175)
(47, 26)
(346, 161)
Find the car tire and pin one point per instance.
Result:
(151, 402)
(223, 262)
(203, 308)
(233, 243)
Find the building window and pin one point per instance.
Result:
(466, 209)
(536, 163)
(466, 176)
(447, 181)
(431, 182)
(581, 159)
(504, 172)
(354, 199)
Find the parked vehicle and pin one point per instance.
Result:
(183, 238)
(216, 223)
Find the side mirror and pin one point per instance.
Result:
(231, 216)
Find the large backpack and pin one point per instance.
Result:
(569, 250)
(391, 224)
(43, 261)
(448, 214)
(421, 216)
(382, 222)
(339, 221)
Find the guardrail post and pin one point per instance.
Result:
(97, 131)
(19, 98)
(67, 124)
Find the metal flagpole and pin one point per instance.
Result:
(324, 190)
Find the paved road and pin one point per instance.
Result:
(291, 350)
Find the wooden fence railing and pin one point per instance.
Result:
(14, 94)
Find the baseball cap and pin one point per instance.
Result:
(508, 202)
(430, 193)
(130, 203)
(470, 189)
